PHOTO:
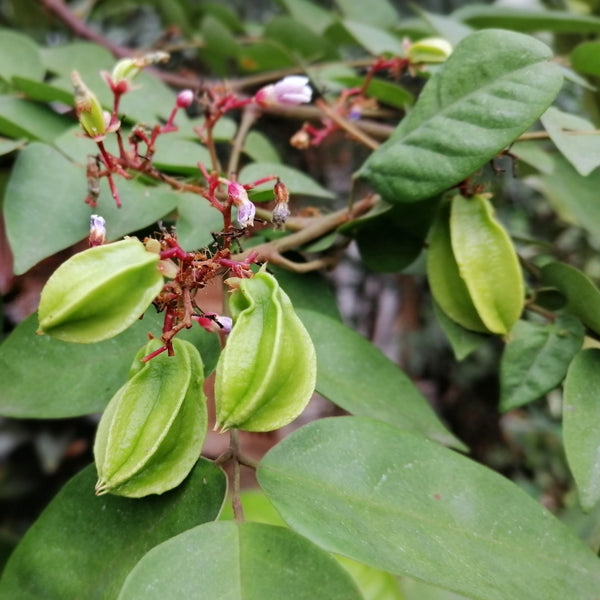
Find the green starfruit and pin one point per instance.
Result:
(266, 374)
(152, 431)
(98, 293)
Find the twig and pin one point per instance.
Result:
(249, 116)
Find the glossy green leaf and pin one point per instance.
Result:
(359, 378)
(523, 19)
(373, 39)
(83, 546)
(585, 58)
(570, 134)
(583, 297)
(380, 13)
(45, 187)
(447, 286)
(536, 359)
(581, 425)
(19, 55)
(296, 181)
(89, 374)
(249, 561)
(22, 118)
(400, 503)
(492, 88)
(462, 341)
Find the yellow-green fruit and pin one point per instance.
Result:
(100, 292)
(447, 286)
(487, 262)
(152, 431)
(266, 374)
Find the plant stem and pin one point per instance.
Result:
(234, 445)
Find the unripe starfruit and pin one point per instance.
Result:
(100, 292)
(152, 431)
(266, 373)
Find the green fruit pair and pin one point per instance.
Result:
(472, 266)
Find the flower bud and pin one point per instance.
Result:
(152, 431)
(98, 293)
(429, 50)
(88, 108)
(97, 230)
(127, 68)
(266, 373)
(238, 196)
(281, 211)
(290, 91)
(185, 98)
(214, 323)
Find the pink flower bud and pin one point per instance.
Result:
(291, 90)
(97, 230)
(238, 196)
(185, 99)
(214, 323)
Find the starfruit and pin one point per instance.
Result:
(152, 431)
(487, 262)
(266, 373)
(99, 292)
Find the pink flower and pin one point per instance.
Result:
(185, 98)
(238, 196)
(290, 91)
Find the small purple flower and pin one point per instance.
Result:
(245, 214)
(238, 196)
(290, 91)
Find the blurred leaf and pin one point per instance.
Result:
(462, 341)
(536, 359)
(224, 14)
(178, 154)
(384, 91)
(83, 546)
(296, 181)
(451, 131)
(358, 377)
(568, 132)
(43, 92)
(264, 56)
(379, 13)
(22, 118)
(196, 220)
(447, 27)
(585, 58)
(19, 55)
(376, 41)
(7, 146)
(299, 40)
(252, 561)
(260, 149)
(417, 590)
(90, 374)
(583, 297)
(534, 155)
(149, 100)
(400, 503)
(309, 14)
(581, 425)
(220, 45)
(526, 20)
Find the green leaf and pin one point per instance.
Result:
(7, 146)
(45, 187)
(373, 39)
(229, 560)
(83, 546)
(585, 58)
(394, 238)
(526, 20)
(581, 425)
(400, 503)
(90, 374)
(359, 378)
(299, 40)
(309, 14)
(380, 13)
(568, 132)
(178, 154)
(583, 297)
(462, 341)
(536, 359)
(260, 149)
(447, 27)
(296, 181)
(19, 55)
(22, 118)
(385, 91)
(492, 88)
(43, 92)
(264, 56)
(196, 220)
